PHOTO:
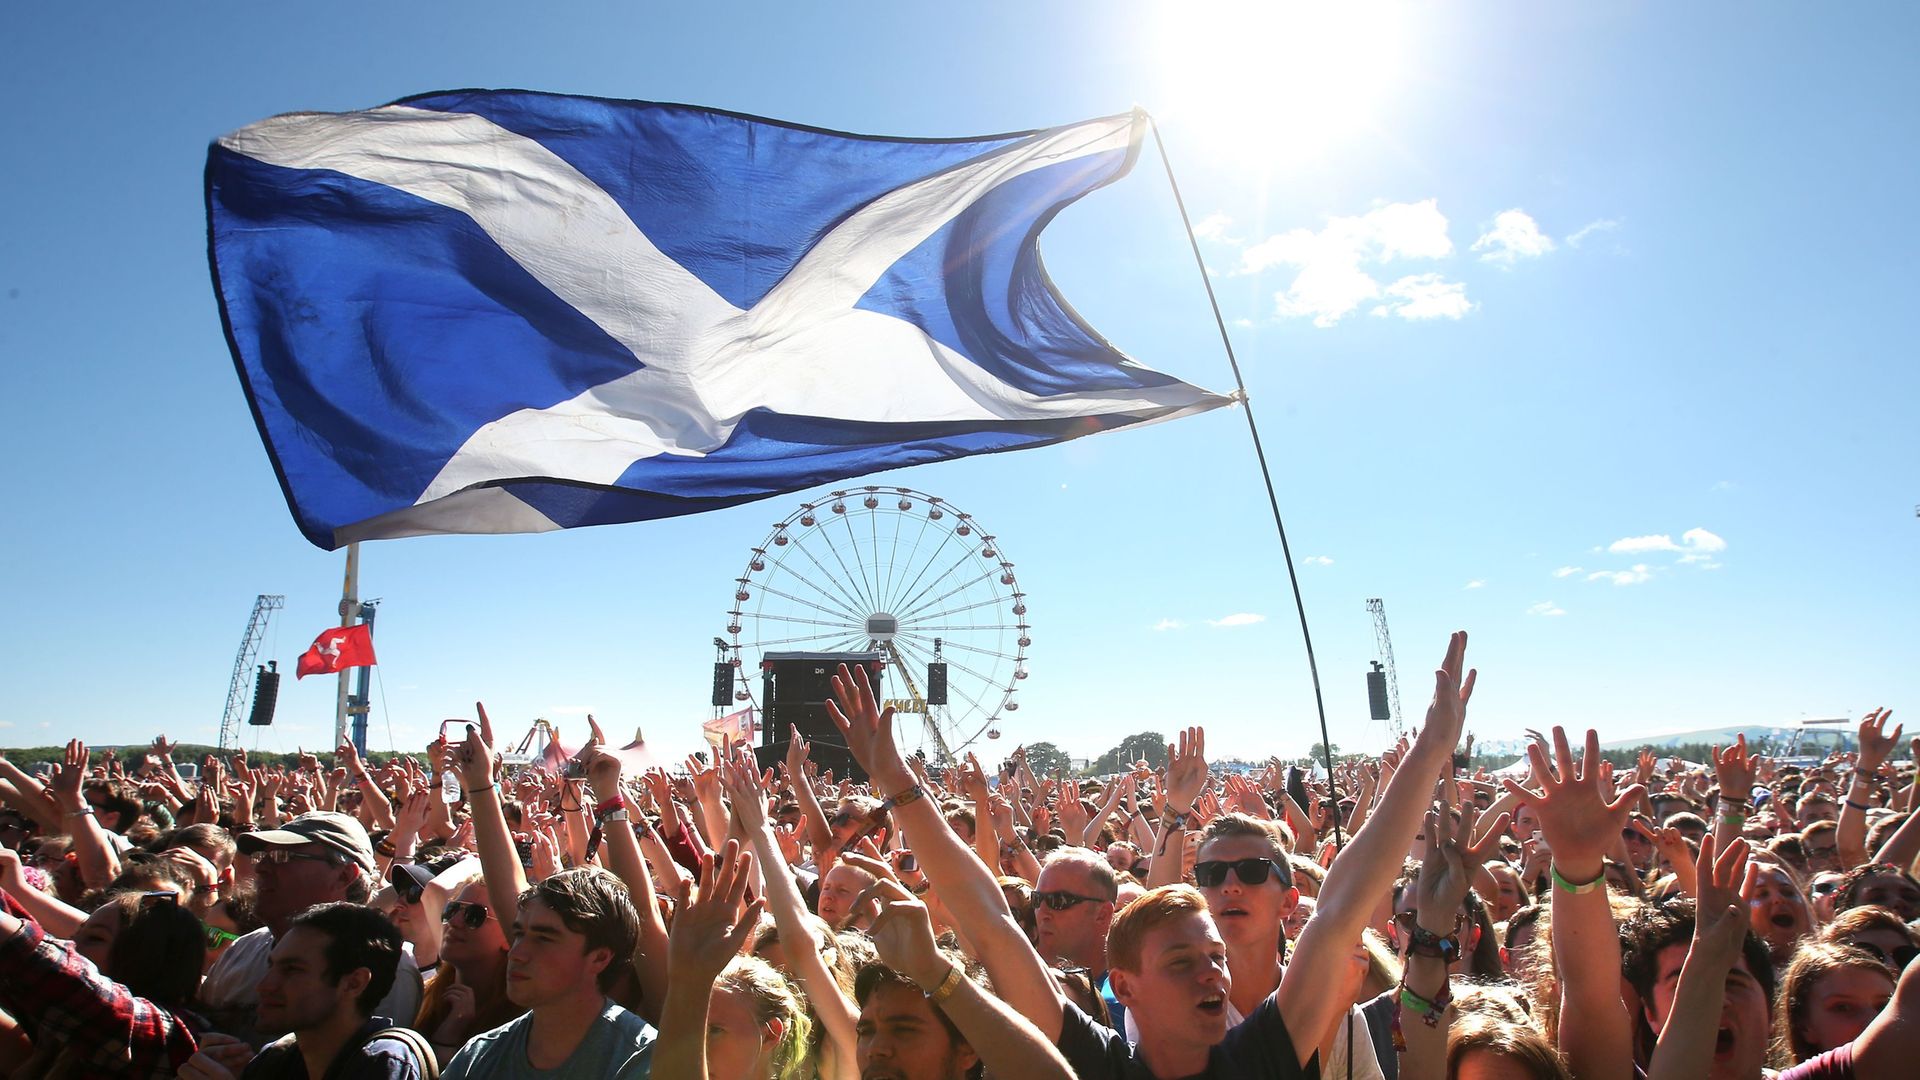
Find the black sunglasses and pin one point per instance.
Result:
(1213, 872)
(1061, 900)
(472, 916)
(1901, 957)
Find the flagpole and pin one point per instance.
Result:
(1286, 550)
(349, 605)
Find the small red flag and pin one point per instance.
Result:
(336, 650)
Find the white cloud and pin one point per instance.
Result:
(1692, 542)
(1243, 324)
(1169, 624)
(1514, 236)
(1546, 607)
(1214, 227)
(1425, 296)
(1591, 227)
(1318, 560)
(1476, 583)
(1702, 540)
(1637, 574)
(6, 723)
(1244, 618)
(1567, 571)
(1330, 281)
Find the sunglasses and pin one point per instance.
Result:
(1822, 888)
(1212, 873)
(1901, 957)
(160, 898)
(1061, 900)
(408, 890)
(472, 916)
(217, 937)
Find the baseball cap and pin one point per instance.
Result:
(336, 832)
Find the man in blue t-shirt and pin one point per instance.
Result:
(573, 936)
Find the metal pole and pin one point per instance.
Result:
(359, 702)
(349, 607)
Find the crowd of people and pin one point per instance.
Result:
(1408, 918)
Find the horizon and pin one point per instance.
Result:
(1574, 329)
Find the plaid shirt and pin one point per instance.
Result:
(95, 1025)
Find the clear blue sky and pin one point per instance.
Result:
(1639, 270)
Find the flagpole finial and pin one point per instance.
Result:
(639, 736)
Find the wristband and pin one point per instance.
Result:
(1174, 821)
(493, 787)
(947, 985)
(1732, 816)
(1862, 807)
(912, 794)
(1424, 942)
(1577, 888)
(83, 812)
(612, 815)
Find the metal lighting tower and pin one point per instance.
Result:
(1383, 644)
(263, 608)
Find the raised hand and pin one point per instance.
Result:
(1575, 815)
(68, 778)
(711, 926)
(1876, 746)
(745, 795)
(903, 935)
(1643, 769)
(474, 757)
(1186, 769)
(1447, 715)
(1447, 871)
(796, 753)
(1733, 768)
(461, 1007)
(868, 729)
(414, 812)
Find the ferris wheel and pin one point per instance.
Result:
(904, 574)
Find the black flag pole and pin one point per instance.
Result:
(1273, 501)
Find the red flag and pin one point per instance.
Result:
(336, 650)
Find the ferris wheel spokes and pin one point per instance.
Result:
(963, 586)
(853, 602)
(849, 616)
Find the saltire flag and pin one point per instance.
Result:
(336, 650)
(737, 726)
(506, 311)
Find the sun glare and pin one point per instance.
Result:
(1264, 84)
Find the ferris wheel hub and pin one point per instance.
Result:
(882, 626)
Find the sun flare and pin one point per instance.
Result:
(1267, 83)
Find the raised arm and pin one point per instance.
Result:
(1446, 874)
(1850, 832)
(33, 797)
(1007, 1043)
(379, 808)
(1733, 770)
(99, 864)
(969, 891)
(789, 908)
(505, 877)
(819, 833)
(1366, 867)
(1596, 1034)
(1186, 775)
(708, 932)
(622, 851)
(1685, 1049)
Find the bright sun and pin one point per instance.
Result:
(1264, 84)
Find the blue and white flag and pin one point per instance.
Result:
(492, 312)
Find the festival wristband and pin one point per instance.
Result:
(947, 985)
(1577, 888)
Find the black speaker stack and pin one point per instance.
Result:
(795, 689)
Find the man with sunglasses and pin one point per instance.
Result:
(1173, 974)
(317, 858)
(1243, 872)
(1073, 907)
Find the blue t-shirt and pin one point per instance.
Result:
(619, 1046)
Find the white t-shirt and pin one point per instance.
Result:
(230, 993)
